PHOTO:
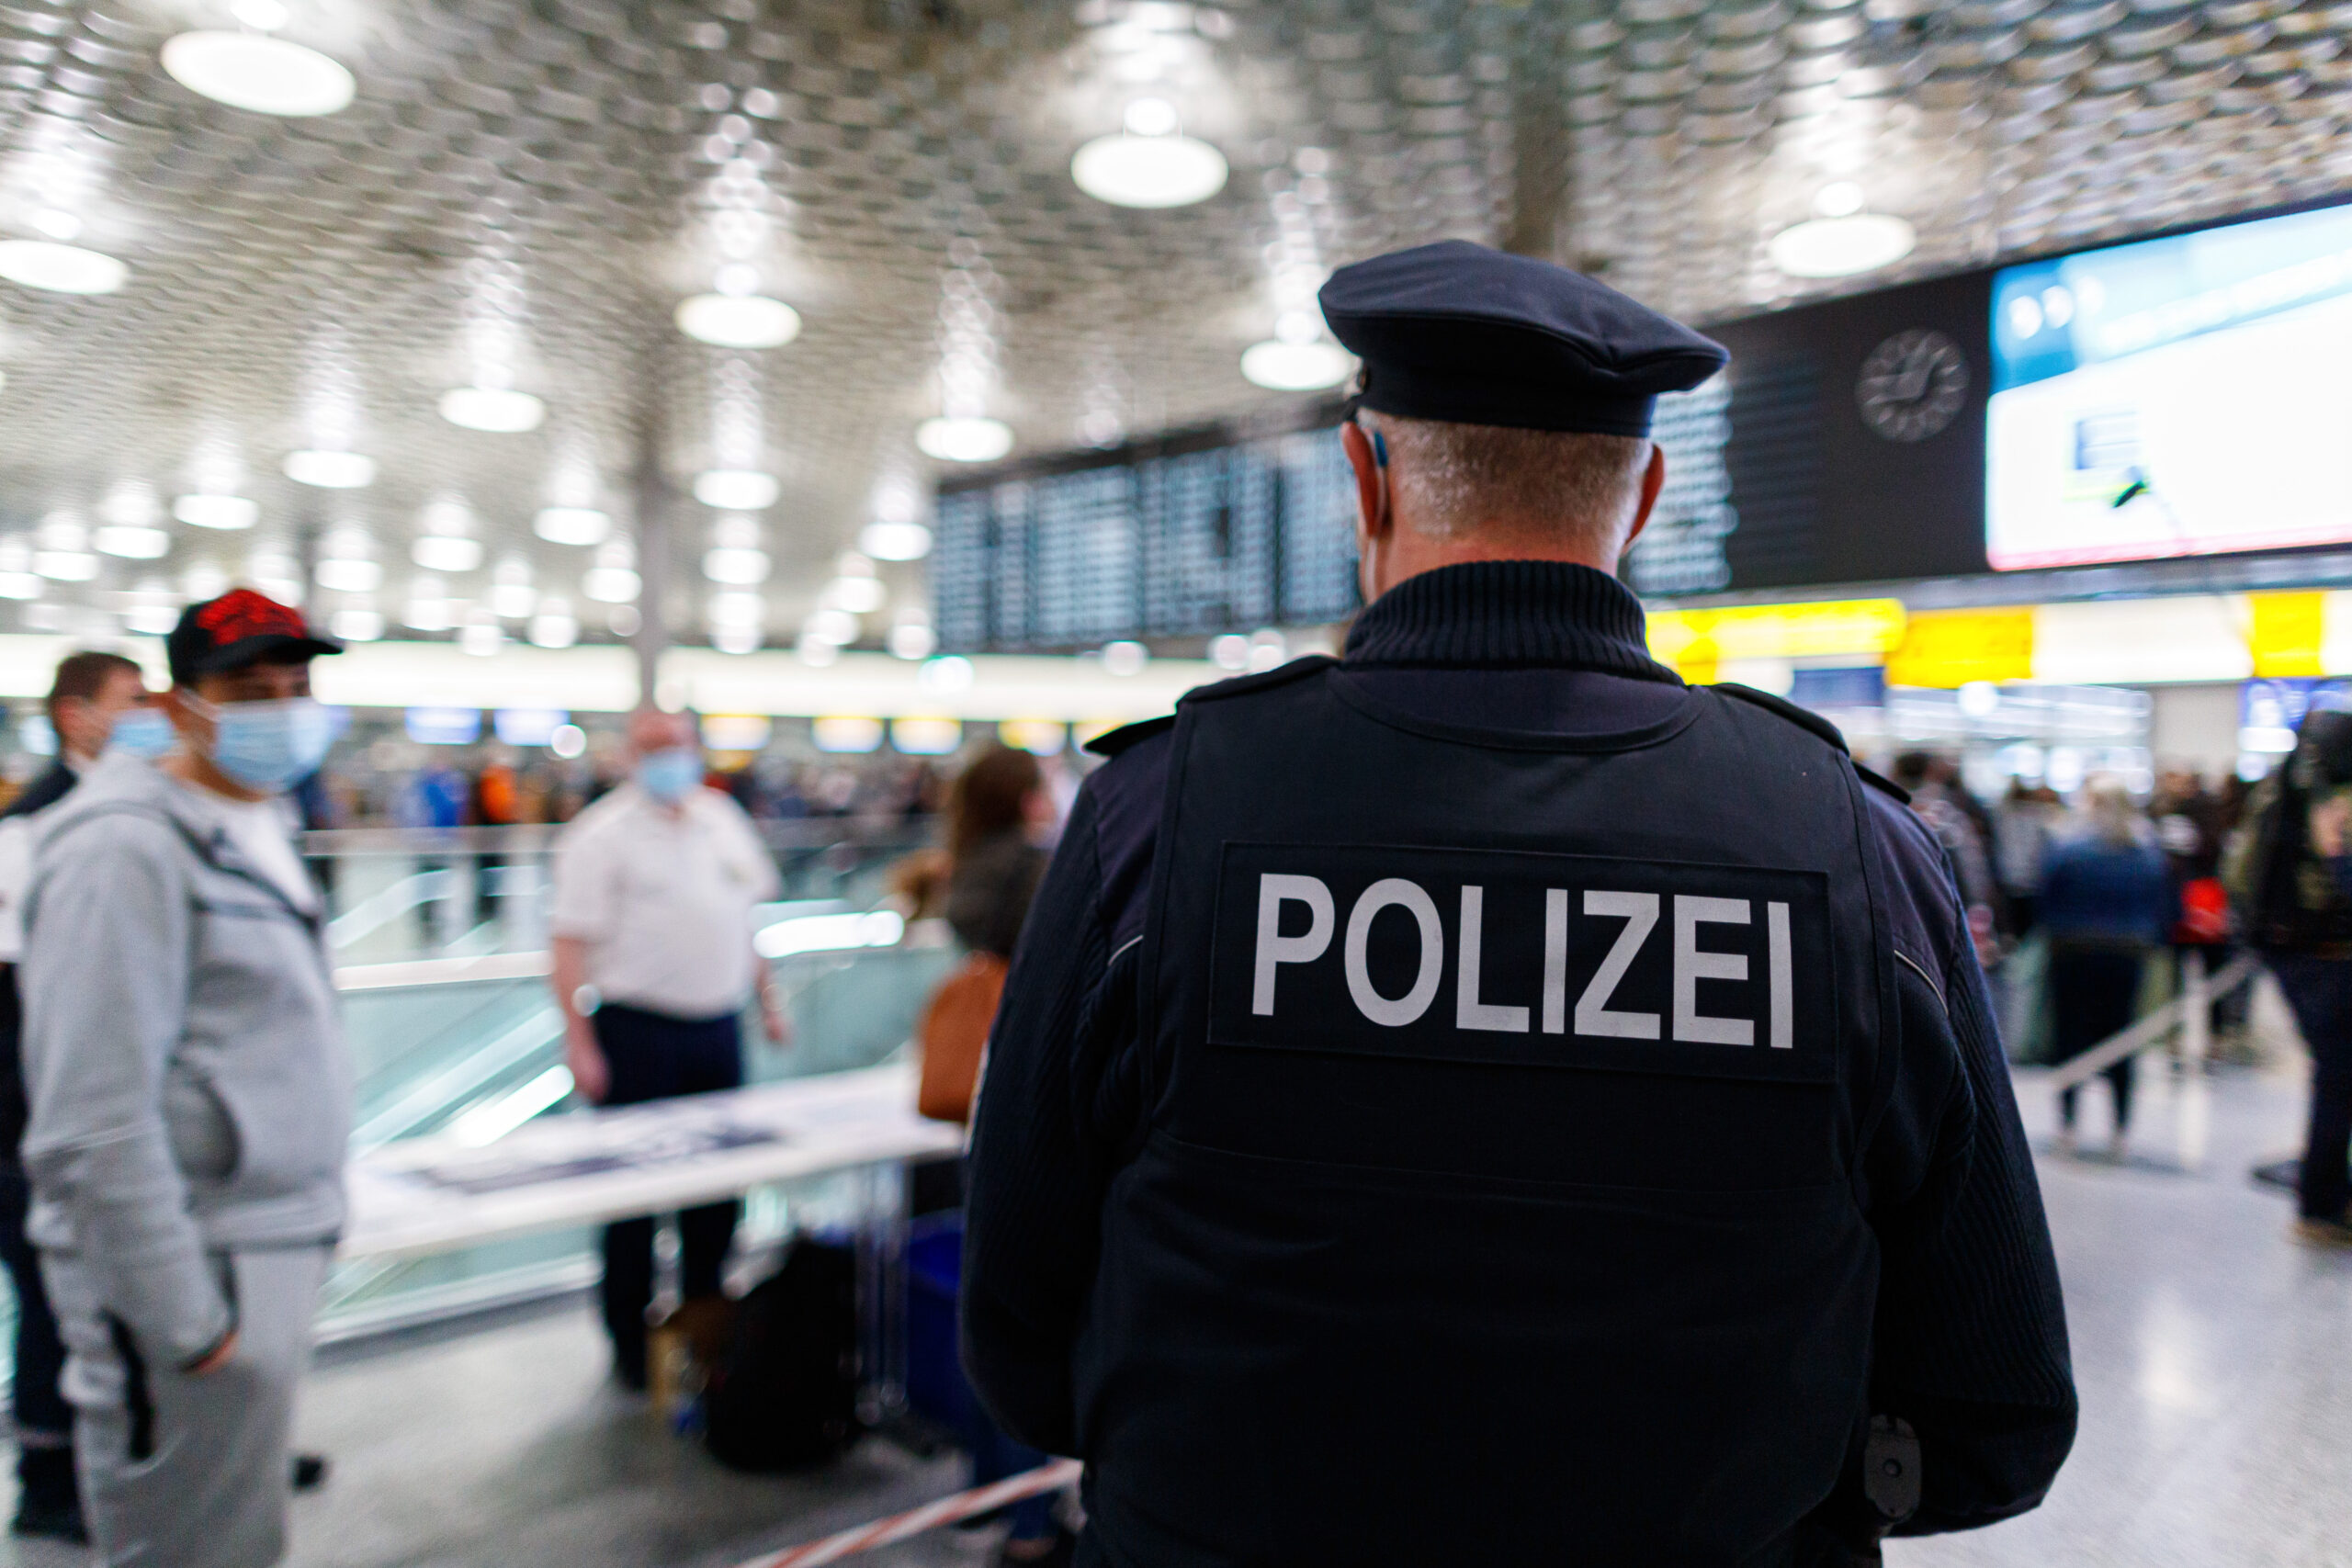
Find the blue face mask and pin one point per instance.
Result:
(670, 774)
(144, 733)
(271, 746)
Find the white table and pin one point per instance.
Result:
(420, 1196)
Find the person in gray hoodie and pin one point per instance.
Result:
(190, 1100)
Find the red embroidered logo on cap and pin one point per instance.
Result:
(243, 612)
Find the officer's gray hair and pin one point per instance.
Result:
(1452, 480)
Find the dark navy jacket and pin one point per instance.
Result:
(1963, 1334)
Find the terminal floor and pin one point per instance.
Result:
(2214, 1356)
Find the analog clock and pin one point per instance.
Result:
(1912, 385)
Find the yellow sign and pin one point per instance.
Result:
(2288, 631)
(1696, 641)
(1952, 648)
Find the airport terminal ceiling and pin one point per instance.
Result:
(519, 198)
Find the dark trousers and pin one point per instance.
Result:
(43, 1418)
(2094, 994)
(653, 1056)
(2320, 990)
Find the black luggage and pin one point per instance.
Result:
(785, 1394)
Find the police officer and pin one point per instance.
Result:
(1482, 1100)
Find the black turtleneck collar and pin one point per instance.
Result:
(1508, 615)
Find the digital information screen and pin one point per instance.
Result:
(2177, 396)
(1188, 537)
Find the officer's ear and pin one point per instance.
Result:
(1372, 520)
(1652, 482)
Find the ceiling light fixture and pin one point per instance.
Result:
(610, 584)
(347, 575)
(572, 525)
(1281, 367)
(330, 471)
(834, 625)
(357, 624)
(737, 489)
(61, 269)
(895, 541)
(1844, 240)
(745, 567)
(858, 595)
(969, 438)
(257, 72)
(1150, 164)
(737, 320)
(65, 566)
(216, 512)
(132, 541)
(912, 639)
(554, 626)
(445, 552)
(499, 410)
(54, 224)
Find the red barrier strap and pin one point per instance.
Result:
(929, 1516)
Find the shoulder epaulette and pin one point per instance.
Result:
(1120, 739)
(1112, 742)
(1889, 785)
(1804, 719)
(1282, 675)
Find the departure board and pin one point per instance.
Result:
(1192, 535)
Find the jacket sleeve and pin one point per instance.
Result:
(1055, 1083)
(105, 974)
(1971, 1336)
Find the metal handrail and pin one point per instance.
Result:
(2186, 1010)
(533, 838)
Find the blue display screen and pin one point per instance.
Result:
(2176, 397)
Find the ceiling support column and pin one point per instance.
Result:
(652, 498)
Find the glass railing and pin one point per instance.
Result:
(396, 894)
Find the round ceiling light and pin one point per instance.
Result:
(347, 575)
(858, 595)
(1127, 170)
(61, 269)
(1295, 366)
(132, 541)
(572, 525)
(737, 489)
(501, 410)
(216, 512)
(445, 552)
(255, 71)
(355, 625)
(330, 471)
(895, 541)
(737, 320)
(968, 439)
(610, 584)
(1841, 247)
(731, 564)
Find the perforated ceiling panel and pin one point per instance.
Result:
(523, 192)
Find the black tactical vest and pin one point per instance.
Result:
(1495, 1205)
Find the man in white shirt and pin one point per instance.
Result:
(654, 887)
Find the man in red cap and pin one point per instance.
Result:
(190, 1099)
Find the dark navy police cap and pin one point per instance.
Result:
(1457, 331)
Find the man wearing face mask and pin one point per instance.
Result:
(96, 704)
(190, 1100)
(652, 966)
